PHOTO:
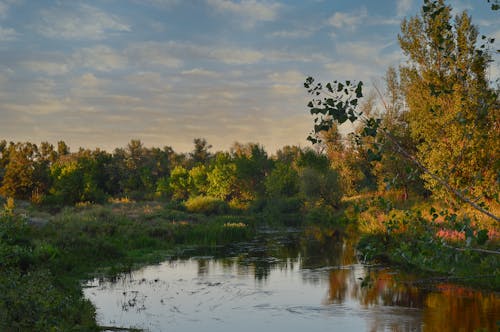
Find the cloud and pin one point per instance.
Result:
(3, 10)
(250, 11)
(236, 56)
(403, 7)
(231, 55)
(7, 34)
(297, 33)
(47, 67)
(153, 53)
(90, 81)
(292, 77)
(160, 3)
(100, 58)
(199, 72)
(341, 20)
(82, 22)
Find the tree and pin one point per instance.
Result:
(62, 148)
(446, 73)
(283, 181)
(180, 183)
(222, 178)
(200, 154)
(24, 176)
(252, 166)
(453, 114)
(199, 181)
(393, 170)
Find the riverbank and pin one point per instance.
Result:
(455, 245)
(42, 266)
(45, 257)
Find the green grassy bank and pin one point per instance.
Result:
(42, 264)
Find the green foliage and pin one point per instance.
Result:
(200, 154)
(283, 211)
(180, 183)
(282, 181)
(321, 187)
(163, 189)
(41, 268)
(206, 205)
(32, 298)
(25, 171)
(324, 216)
(9, 206)
(77, 178)
(313, 160)
(199, 180)
(252, 166)
(222, 178)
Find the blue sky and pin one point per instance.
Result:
(99, 73)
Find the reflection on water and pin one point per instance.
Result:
(290, 282)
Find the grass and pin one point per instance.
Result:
(42, 266)
(44, 257)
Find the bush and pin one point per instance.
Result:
(283, 181)
(284, 210)
(321, 186)
(206, 204)
(324, 215)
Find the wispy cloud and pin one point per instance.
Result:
(47, 67)
(160, 3)
(79, 22)
(231, 55)
(7, 34)
(293, 33)
(199, 72)
(100, 58)
(403, 7)
(343, 20)
(249, 11)
(3, 10)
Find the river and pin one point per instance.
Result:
(286, 281)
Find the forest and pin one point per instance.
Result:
(416, 180)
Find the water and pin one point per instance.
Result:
(286, 282)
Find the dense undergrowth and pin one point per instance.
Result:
(457, 245)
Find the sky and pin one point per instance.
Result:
(100, 73)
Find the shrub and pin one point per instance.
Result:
(321, 186)
(206, 204)
(283, 181)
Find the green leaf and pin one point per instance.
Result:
(372, 156)
(482, 236)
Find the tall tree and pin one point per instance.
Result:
(453, 113)
(23, 176)
(394, 171)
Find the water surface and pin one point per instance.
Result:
(291, 282)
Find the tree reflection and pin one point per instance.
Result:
(444, 307)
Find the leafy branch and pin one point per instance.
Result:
(339, 103)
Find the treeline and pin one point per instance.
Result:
(48, 174)
(244, 176)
